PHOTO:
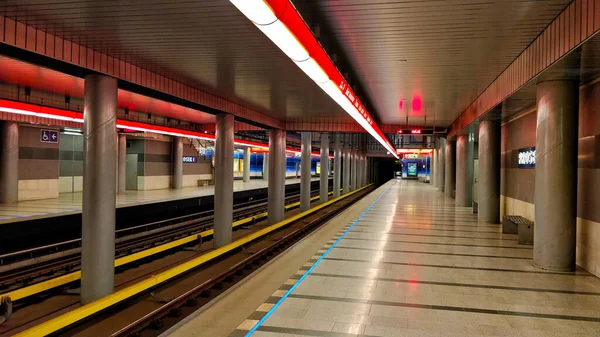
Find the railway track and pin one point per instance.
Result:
(50, 269)
(150, 306)
(22, 268)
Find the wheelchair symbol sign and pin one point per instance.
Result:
(49, 136)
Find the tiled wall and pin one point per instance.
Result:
(38, 165)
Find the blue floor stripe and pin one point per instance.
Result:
(262, 320)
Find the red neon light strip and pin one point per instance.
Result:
(75, 116)
(285, 11)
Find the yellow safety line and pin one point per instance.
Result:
(37, 288)
(73, 316)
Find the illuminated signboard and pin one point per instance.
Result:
(412, 169)
(190, 159)
(415, 132)
(526, 158)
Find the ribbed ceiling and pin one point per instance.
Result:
(443, 52)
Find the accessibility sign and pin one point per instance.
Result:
(49, 136)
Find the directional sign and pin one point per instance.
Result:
(49, 136)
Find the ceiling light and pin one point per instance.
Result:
(285, 40)
(311, 68)
(256, 11)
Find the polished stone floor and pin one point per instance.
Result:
(413, 264)
(70, 203)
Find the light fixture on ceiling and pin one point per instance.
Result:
(281, 23)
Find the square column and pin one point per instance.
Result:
(223, 204)
(337, 162)
(276, 187)
(324, 177)
(177, 179)
(464, 170)
(9, 161)
(556, 175)
(305, 175)
(99, 187)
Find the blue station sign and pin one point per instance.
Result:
(526, 158)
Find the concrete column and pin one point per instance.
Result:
(358, 170)
(441, 166)
(265, 166)
(324, 178)
(121, 164)
(337, 162)
(346, 174)
(9, 161)
(246, 167)
(354, 162)
(450, 155)
(305, 176)
(276, 194)
(556, 175)
(223, 204)
(464, 170)
(489, 172)
(177, 179)
(99, 187)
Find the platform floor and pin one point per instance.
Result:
(70, 203)
(404, 261)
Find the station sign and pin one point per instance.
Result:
(415, 132)
(49, 136)
(526, 158)
(190, 159)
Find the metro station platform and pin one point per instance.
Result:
(404, 261)
(70, 203)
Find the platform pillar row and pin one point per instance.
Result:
(99, 187)
(489, 172)
(449, 177)
(324, 175)
(305, 174)
(346, 173)
(276, 186)
(464, 170)
(177, 182)
(223, 203)
(9, 162)
(246, 167)
(337, 163)
(554, 243)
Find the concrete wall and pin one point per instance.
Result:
(71, 164)
(518, 185)
(588, 176)
(38, 165)
(156, 165)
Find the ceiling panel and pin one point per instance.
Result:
(436, 54)
(209, 42)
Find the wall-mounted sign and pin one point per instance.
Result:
(526, 158)
(49, 136)
(190, 159)
(416, 131)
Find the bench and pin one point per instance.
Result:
(203, 182)
(514, 224)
